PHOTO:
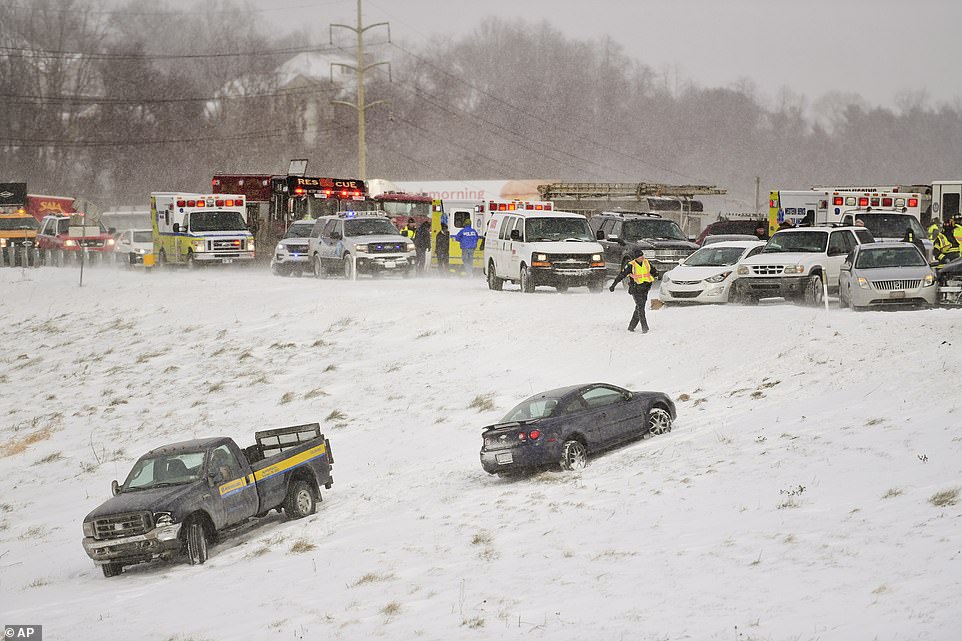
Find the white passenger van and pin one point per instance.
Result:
(532, 248)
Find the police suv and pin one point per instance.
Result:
(363, 242)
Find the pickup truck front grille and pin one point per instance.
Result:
(768, 270)
(91, 243)
(387, 248)
(890, 285)
(121, 525)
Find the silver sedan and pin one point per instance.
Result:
(886, 274)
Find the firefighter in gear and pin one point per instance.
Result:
(640, 276)
(934, 229)
(948, 244)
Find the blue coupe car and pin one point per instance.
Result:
(563, 426)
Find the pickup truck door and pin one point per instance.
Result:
(613, 249)
(234, 489)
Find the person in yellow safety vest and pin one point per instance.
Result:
(948, 244)
(409, 229)
(934, 229)
(641, 275)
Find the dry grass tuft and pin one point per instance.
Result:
(372, 577)
(302, 545)
(335, 415)
(892, 493)
(288, 397)
(482, 538)
(314, 393)
(19, 445)
(945, 498)
(391, 608)
(482, 402)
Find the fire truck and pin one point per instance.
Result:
(200, 229)
(399, 205)
(458, 214)
(274, 202)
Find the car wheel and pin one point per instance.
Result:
(61, 258)
(574, 456)
(814, 295)
(162, 259)
(596, 286)
(527, 283)
(659, 421)
(317, 267)
(191, 262)
(494, 283)
(300, 500)
(196, 543)
(842, 302)
(561, 288)
(112, 569)
(348, 267)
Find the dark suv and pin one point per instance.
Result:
(757, 228)
(624, 233)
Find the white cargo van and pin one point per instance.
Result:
(552, 248)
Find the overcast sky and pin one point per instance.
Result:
(872, 47)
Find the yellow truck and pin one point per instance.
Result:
(18, 237)
(200, 229)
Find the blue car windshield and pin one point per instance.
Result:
(531, 409)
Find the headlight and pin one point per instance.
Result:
(361, 249)
(794, 269)
(3, 242)
(140, 251)
(410, 247)
(281, 249)
(198, 246)
(89, 529)
(163, 519)
(541, 257)
(250, 244)
(665, 278)
(110, 242)
(595, 257)
(743, 270)
(862, 282)
(928, 281)
(719, 278)
(69, 243)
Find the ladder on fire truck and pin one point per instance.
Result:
(625, 190)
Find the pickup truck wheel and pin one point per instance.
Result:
(196, 543)
(300, 500)
(494, 283)
(574, 456)
(112, 569)
(561, 288)
(659, 421)
(595, 286)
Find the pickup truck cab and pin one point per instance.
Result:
(65, 237)
(181, 496)
(794, 263)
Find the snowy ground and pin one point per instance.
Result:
(795, 498)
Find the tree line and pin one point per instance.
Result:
(109, 106)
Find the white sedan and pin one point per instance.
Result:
(706, 276)
(132, 245)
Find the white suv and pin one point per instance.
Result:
(794, 263)
(534, 248)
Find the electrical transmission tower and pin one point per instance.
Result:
(360, 68)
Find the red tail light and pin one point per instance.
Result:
(181, 203)
(191, 203)
(886, 202)
(838, 201)
(219, 203)
(534, 435)
(863, 202)
(547, 207)
(913, 202)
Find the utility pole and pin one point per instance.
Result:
(758, 182)
(359, 70)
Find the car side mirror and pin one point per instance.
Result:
(599, 235)
(627, 396)
(176, 228)
(516, 234)
(115, 487)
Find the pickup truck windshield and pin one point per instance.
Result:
(557, 229)
(18, 223)
(369, 227)
(797, 241)
(217, 221)
(165, 470)
(654, 228)
(715, 256)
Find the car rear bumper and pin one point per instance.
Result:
(137, 548)
(516, 459)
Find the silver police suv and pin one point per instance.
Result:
(364, 242)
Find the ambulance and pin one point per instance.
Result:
(456, 214)
(200, 229)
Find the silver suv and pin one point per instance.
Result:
(364, 242)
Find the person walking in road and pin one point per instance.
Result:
(468, 239)
(442, 249)
(422, 245)
(409, 230)
(641, 275)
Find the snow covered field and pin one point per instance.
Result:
(798, 496)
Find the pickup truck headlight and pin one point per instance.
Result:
(410, 247)
(163, 519)
(928, 281)
(361, 249)
(863, 282)
(89, 529)
(69, 243)
(595, 258)
(794, 269)
(743, 270)
(719, 278)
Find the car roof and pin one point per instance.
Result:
(640, 214)
(560, 392)
(820, 228)
(888, 244)
(539, 214)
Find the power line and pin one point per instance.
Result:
(51, 54)
(174, 14)
(101, 100)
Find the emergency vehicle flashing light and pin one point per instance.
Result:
(518, 205)
(229, 202)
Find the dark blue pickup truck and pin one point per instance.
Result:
(180, 497)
